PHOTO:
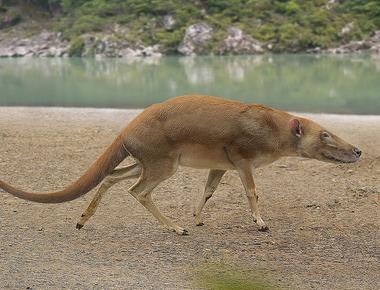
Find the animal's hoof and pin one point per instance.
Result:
(185, 232)
(79, 226)
(182, 232)
(263, 228)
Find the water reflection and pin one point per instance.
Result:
(197, 73)
(322, 83)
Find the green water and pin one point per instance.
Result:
(305, 83)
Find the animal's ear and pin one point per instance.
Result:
(296, 128)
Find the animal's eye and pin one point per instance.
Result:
(325, 135)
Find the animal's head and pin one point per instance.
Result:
(314, 141)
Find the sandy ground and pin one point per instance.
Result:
(323, 218)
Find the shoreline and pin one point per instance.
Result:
(139, 110)
(5, 53)
(53, 44)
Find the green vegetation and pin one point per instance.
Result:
(289, 25)
(9, 19)
(76, 47)
(224, 277)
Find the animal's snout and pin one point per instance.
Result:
(357, 152)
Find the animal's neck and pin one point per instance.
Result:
(287, 142)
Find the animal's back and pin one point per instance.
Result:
(194, 119)
(196, 128)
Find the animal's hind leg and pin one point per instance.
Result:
(212, 183)
(116, 176)
(142, 190)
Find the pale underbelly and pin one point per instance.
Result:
(198, 156)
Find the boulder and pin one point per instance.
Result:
(20, 51)
(239, 43)
(127, 52)
(5, 52)
(196, 38)
(55, 51)
(151, 51)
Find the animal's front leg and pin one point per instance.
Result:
(250, 189)
(245, 172)
(244, 168)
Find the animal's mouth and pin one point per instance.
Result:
(339, 160)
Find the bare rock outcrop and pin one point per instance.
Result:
(49, 44)
(371, 44)
(110, 47)
(196, 39)
(44, 44)
(239, 43)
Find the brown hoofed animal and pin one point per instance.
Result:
(200, 132)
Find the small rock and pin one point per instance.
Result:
(282, 166)
(313, 205)
(227, 227)
(168, 22)
(347, 28)
(314, 50)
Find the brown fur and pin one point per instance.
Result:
(201, 132)
(103, 166)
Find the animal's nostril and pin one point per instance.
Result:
(357, 152)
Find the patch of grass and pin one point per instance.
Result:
(84, 24)
(10, 18)
(76, 47)
(170, 40)
(224, 277)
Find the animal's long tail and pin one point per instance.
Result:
(103, 166)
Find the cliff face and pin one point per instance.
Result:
(117, 28)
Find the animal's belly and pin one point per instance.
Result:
(199, 156)
(262, 160)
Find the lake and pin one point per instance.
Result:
(304, 83)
